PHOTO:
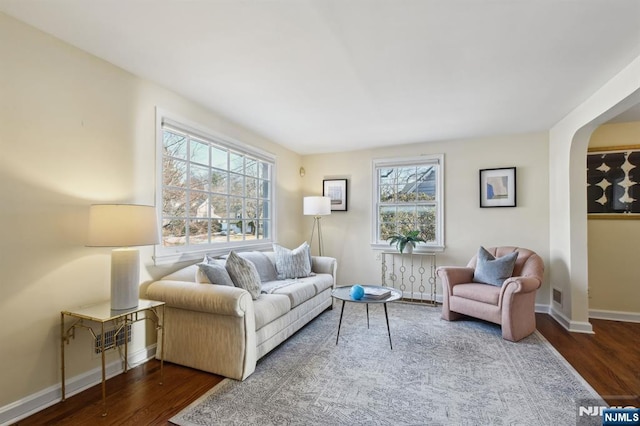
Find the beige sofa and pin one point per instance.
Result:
(222, 330)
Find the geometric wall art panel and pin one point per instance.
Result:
(613, 182)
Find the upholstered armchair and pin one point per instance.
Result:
(512, 304)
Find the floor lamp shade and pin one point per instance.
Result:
(316, 207)
(123, 226)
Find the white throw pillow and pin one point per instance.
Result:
(292, 263)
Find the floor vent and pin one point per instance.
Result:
(557, 296)
(109, 342)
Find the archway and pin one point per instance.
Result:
(568, 142)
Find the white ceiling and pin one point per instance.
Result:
(334, 75)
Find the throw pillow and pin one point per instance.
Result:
(216, 273)
(244, 274)
(490, 270)
(292, 263)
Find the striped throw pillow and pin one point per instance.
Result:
(244, 274)
(292, 263)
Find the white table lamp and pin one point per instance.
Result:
(316, 207)
(123, 226)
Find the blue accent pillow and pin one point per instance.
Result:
(216, 273)
(490, 270)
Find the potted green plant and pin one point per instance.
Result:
(406, 240)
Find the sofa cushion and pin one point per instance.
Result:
(216, 273)
(270, 307)
(298, 291)
(484, 293)
(490, 270)
(292, 263)
(321, 282)
(244, 274)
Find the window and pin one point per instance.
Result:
(408, 195)
(215, 194)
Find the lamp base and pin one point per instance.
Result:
(125, 276)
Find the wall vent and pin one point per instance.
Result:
(109, 337)
(557, 296)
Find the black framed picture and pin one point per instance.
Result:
(336, 189)
(498, 187)
(613, 182)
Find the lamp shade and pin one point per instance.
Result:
(316, 206)
(122, 225)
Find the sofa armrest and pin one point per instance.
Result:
(324, 265)
(208, 298)
(452, 275)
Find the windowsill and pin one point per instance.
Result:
(417, 250)
(169, 258)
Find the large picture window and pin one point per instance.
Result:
(408, 195)
(215, 194)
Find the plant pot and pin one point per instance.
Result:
(408, 249)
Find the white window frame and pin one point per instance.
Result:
(168, 255)
(436, 246)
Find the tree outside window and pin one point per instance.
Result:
(408, 198)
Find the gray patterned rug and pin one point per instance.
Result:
(438, 373)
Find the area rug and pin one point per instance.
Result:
(438, 373)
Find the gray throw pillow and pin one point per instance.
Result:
(216, 273)
(244, 274)
(292, 263)
(490, 270)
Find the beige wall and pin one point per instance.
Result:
(613, 285)
(75, 130)
(347, 235)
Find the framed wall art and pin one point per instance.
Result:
(336, 189)
(498, 187)
(613, 182)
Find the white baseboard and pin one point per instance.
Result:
(570, 325)
(614, 315)
(47, 397)
(542, 309)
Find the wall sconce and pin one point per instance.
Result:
(302, 172)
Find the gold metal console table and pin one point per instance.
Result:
(121, 319)
(414, 274)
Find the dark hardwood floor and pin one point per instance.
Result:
(609, 361)
(134, 398)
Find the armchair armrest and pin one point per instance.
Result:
(208, 298)
(518, 285)
(452, 275)
(521, 284)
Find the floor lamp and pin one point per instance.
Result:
(317, 207)
(123, 226)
